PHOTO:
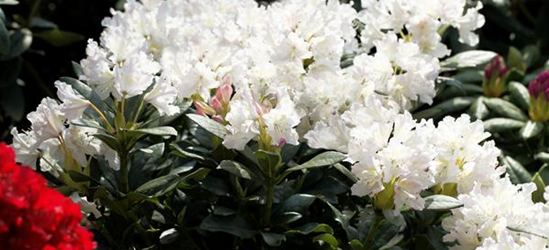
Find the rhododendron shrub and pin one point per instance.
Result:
(208, 124)
(34, 216)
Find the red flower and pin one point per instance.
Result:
(34, 216)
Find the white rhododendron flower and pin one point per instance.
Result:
(73, 104)
(488, 212)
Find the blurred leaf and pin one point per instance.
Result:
(273, 239)
(4, 38)
(312, 227)
(159, 185)
(160, 131)
(169, 236)
(78, 70)
(531, 55)
(520, 95)
(478, 110)
(445, 108)
(59, 38)
(234, 225)
(517, 173)
(469, 58)
(20, 41)
(321, 160)
(505, 108)
(469, 76)
(13, 102)
(327, 238)
(531, 129)
(38, 22)
(515, 60)
(209, 125)
(441, 202)
(235, 168)
(8, 2)
(498, 125)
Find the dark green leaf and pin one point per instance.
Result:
(267, 161)
(520, 95)
(209, 125)
(20, 41)
(342, 169)
(517, 173)
(469, 58)
(169, 236)
(321, 160)
(59, 38)
(515, 60)
(312, 227)
(441, 202)
(478, 110)
(78, 70)
(298, 203)
(505, 108)
(233, 225)
(80, 177)
(160, 131)
(110, 140)
(38, 22)
(446, 107)
(498, 125)
(327, 238)
(4, 38)
(273, 239)
(160, 184)
(235, 168)
(531, 54)
(531, 129)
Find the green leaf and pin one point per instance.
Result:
(38, 22)
(169, 236)
(515, 60)
(8, 2)
(327, 238)
(517, 173)
(59, 38)
(478, 110)
(235, 168)
(445, 108)
(160, 131)
(342, 169)
(80, 177)
(296, 204)
(311, 227)
(4, 39)
(209, 125)
(441, 202)
(531, 129)
(234, 225)
(78, 70)
(520, 95)
(321, 160)
(267, 161)
(356, 245)
(529, 229)
(505, 108)
(20, 41)
(469, 58)
(159, 185)
(110, 140)
(469, 75)
(537, 196)
(498, 125)
(273, 239)
(531, 54)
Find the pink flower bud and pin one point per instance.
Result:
(203, 109)
(225, 92)
(495, 78)
(216, 105)
(495, 68)
(539, 97)
(539, 85)
(281, 142)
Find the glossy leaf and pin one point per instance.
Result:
(498, 125)
(321, 160)
(441, 202)
(478, 109)
(469, 58)
(235, 168)
(234, 225)
(531, 129)
(505, 109)
(209, 125)
(520, 95)
(445, 108)
(517, 173)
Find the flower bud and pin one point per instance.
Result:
(539, 97)
(224, 93)
(216, 105)
(495, 77)
(203, 109)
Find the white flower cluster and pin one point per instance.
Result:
(490, 213)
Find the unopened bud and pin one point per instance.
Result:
(539, 97)
(224, 93)
(495, 77)
(216, 105)
(203, 109)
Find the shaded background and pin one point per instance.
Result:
(60, 28)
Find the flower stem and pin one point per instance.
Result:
(124, 183)
(269, 202)
(109, 126)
